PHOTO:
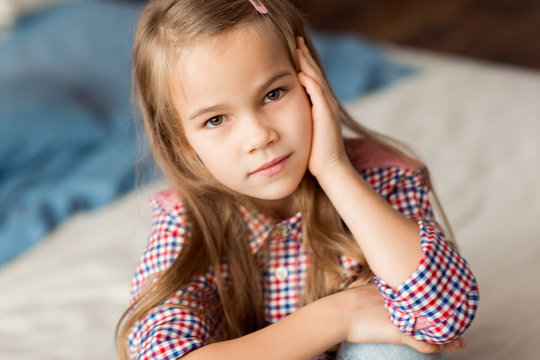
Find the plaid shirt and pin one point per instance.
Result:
(436, 303)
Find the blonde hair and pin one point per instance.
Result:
(218, 232)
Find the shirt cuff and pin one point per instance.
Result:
(440, 294)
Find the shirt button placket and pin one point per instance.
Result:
(281, 273)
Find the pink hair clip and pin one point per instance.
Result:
(260, 7)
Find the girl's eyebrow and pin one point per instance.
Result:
(276, 77)
(267, 83)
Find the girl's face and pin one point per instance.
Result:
(245, 114)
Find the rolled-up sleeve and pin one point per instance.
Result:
(180, 324)
(439, 300)
(168, 334)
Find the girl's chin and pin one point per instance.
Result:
(280, 203)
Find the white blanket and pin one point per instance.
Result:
(476, 125)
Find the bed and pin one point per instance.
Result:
(476, 125)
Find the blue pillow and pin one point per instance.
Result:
(67, 140)
(355, 66)
(41, 115)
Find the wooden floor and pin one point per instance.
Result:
(506, 31)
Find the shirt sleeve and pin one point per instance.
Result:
(439, 300)
(179, 325)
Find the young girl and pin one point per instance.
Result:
(278, 239)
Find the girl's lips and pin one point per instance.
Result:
(272, 167)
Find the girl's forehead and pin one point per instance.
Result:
(212, 48)
(228, 66)
(223, 49)
(245, 35)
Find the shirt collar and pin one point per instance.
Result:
(261, 226)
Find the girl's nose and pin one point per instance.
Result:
(258, 133)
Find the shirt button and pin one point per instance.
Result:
(282, 230)
(281, 273)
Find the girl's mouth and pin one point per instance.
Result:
(272, 167)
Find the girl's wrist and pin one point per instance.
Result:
(334, 173)
(336, 308)
(304, 334)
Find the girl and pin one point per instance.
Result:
(275, 228)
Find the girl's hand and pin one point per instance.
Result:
(369, 323)
(327, 148)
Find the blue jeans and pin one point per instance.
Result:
(352, 351)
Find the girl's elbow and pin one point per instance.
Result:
(453, 326)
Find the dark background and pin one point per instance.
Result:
(504, 31)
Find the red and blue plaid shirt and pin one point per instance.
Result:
(436, 303)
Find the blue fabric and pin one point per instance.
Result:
(67, 139)
(354, 66)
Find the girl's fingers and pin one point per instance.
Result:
(457, 344)
(313, 88)
(327, 142)
(307, 63)
(319, 93)
(309, 67)
(428, 348)
(425, 347)
(308, 82)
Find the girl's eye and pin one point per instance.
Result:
(215, 121)
(273, 95)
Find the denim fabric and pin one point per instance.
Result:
(352, 351)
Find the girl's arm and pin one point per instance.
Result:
(388, 239)
(171, 331)
(429, 290)
(355, 315)
(304, 334)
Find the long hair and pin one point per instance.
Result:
(218, 231)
